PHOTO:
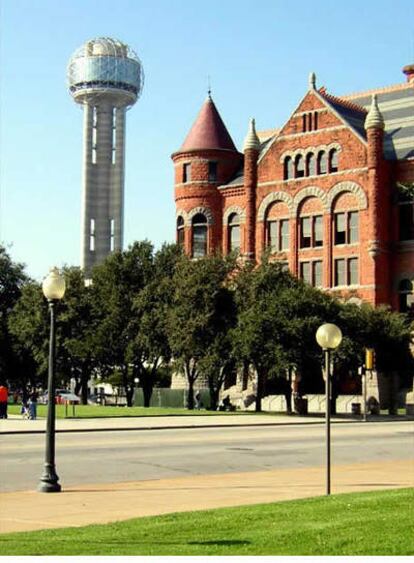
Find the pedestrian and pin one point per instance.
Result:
(4, 397)
(198, 403)
(33, 404)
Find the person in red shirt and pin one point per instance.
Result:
(4, 395)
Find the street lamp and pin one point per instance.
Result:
(329, 337)
(53, 289)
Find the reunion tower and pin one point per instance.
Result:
(106, 77)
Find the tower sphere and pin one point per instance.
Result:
(105, 66)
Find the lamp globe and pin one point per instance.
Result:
(54, 285)
(328, 336)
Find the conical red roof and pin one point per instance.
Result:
(208, 131)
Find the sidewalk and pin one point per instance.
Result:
(16, 425)
(103, 503)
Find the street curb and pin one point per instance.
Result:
(189, 427)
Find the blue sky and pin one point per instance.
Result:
(258, 55)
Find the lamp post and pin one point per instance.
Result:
(329, 337)
(53, 289)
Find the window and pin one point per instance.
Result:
(112, 231)
(92, 235)
(212, 171)
(299, 166)
(311, 231)
(406, 220)
(187, 172)
(234, 232)
(353, 271)
(322, 164)
(180, 231)
(309, 122)
(277, 235)
(311, 272)
(199, 235)
(315, 120)
(304, 123)
(406, 296)
(340, 272)
(310, 164)
(94, 133)
(317, 273)
(288, 168)
(113, 135)
(333, 160)
(305, 272)
(346, 227)
(346, 271)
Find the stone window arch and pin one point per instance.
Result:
(352, 187)
(271, 198)
(206, 211)
(311, 191)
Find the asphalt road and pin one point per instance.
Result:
(129, 456)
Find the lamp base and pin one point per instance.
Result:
(49, 482)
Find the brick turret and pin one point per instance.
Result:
(206, 159)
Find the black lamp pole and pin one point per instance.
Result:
(49, 482)
(328, 420)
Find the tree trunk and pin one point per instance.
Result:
(84, 388)
(214, 397)
(129, 392)
(259, 391)
(190, 399)
(147, 388)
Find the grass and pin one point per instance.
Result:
(371, 523)
(98, 411)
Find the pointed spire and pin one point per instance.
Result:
(252, 140)
(312, 81)
(208, 130)
(374, 117)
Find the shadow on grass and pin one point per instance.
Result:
(219, 542)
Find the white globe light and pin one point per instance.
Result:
(328, 336)
(54, 285)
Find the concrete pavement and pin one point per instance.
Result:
(102, 503)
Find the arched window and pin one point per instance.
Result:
(310, 164)
(288, 168)
(199, 235)
(406, 296)
(333, 160)
(180, 231)
(299, 166)
(322, 164)
(234, 232)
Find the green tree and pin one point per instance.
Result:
(149, 347)
(201, 313)
(116, 284)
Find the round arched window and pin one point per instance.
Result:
(234, 232)
(180, 230)
(199, 235)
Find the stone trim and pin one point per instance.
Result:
(271, 198)
(205, 211)
(234, 209)
(304, 133)
(347, 186)
(184, 215)
(311, 191)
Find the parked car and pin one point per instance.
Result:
(61, 396)
(107, 399)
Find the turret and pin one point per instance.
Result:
(206, 159)
(251, 153)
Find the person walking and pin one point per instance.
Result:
(33, 404)
(4, 397)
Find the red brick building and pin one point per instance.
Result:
(327, 193)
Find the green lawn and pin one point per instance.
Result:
(371, 523)
(97, 411)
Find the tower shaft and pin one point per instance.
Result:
(103, 182)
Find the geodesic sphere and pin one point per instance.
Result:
(105, 64)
